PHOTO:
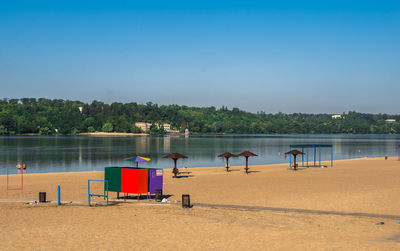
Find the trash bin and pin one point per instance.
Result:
(158, 195)
(185, 200)
(42, 197)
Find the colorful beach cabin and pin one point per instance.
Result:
(130, 180)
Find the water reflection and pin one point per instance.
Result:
(59, 154)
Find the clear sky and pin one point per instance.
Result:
(273, 56)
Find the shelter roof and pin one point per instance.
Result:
(294, 152)
(310, 145)
(175, 156)
(247, 154)
(227, 155)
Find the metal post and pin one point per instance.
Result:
(22, 180)
(302, 157)
(7, 178)
(107, 191)
(290, 157)
(319, 153)
(307, 156)
(331, 156)
(59, 195)
(314, 155)
(89, 192)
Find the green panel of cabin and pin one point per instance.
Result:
(113, 175)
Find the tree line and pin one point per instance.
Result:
(57, 116)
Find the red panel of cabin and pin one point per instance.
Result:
(143, 181)
(134, 181)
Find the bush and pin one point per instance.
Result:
(107, 127)
(45, 131)
(3, 130)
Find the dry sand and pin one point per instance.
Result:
(255, 218)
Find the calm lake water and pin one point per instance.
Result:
(82, 153)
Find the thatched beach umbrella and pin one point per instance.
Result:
(227, 155)
(294, 153)
(247, 154)
(175, 157)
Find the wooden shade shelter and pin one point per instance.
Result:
(227, 155)
(294, 153)
(247, 154)
(175, 157)
(306, 148)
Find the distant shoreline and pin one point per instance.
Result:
(94, 134)
(112, 134)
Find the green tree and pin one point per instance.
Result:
(135, 129)
(157, 130)
(3, 130)
(107, 127)
(45, 131)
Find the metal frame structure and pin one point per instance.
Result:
(22, 176)
(105, 195)
(311, 146)
(58, 195)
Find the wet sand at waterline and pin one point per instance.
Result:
(272, 207)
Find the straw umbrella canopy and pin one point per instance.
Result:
(175, 157)
(294, 153)
(137, 159)
(227, 155)
(247, 154)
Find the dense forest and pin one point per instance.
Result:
(56, 116)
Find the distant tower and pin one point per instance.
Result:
(80, 108)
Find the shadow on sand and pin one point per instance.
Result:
(141, 197)
(252, 172)
(297, 169)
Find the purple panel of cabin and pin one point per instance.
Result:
(155, 180)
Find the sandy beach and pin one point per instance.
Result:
(112, 134)
(270, 208)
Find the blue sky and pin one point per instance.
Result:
(272, 56)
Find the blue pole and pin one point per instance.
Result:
(88, 192)
(59, 195)
(290, 157)
(107, 191)
(302, 157)
(307, 156)
(319, 153)
(331, 156)
(314, 154)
